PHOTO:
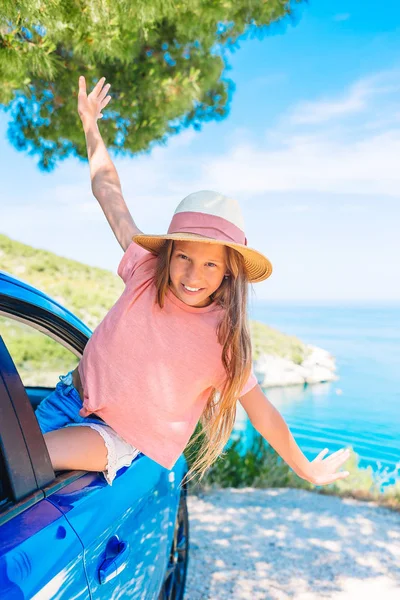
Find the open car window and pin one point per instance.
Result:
(38, 358)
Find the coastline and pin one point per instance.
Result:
(280, 359)
(318, 366)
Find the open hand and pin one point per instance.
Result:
(322, 472)
(90, 107)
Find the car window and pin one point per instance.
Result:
(38, 358)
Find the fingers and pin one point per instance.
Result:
(104, 91)
(98, 86)
(339, 452)
(98, 89)
(82, 84)
(98, 98)
(336, 476)
(105, 102)
(103, 105)
(322, 453)
(338, 457)
(326, 480)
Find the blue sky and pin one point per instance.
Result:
(310, 148)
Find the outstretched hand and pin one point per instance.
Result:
(324, 471)
(90, 106)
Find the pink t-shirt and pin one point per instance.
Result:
(148, 372)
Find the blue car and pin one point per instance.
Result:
(69, 535)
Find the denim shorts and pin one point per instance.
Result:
(61, 409)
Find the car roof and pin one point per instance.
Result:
(16, 289)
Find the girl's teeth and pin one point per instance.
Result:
(191, 289)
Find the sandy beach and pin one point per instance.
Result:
(284, 543)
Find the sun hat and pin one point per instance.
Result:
(213, 218)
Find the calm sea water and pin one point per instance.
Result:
(362, 408)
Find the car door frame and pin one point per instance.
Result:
(30, 476)
(20, 481)
(26, 512)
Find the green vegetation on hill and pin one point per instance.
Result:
(266, 340)
(89, 292)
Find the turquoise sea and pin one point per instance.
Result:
(362, 408)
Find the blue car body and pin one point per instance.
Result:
(70, 535)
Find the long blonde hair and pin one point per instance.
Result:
(233, 333)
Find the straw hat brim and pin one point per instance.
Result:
(257, 265)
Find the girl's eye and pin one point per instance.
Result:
(184, 257)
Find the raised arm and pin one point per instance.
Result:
(268, 421)
(106, 186)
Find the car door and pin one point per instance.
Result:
(125, 529)
(40, 554)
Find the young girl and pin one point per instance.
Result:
(175, 348)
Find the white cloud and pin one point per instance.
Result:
(352, 208)
(296, 208)
(91, 210)
(314, 163)
(355, 100)
(358, 157)
(71, 194)
(183, 139)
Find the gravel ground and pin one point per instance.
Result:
(283, 543)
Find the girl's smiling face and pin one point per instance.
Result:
(196, 271)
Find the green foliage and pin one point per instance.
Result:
(165, 61)
(266, 340)
(89, 292)
(364, 481)
(260, 466)
(257, 466)
(392, 494)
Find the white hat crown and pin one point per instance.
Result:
(213, 203)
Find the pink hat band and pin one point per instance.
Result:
(207, 225)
